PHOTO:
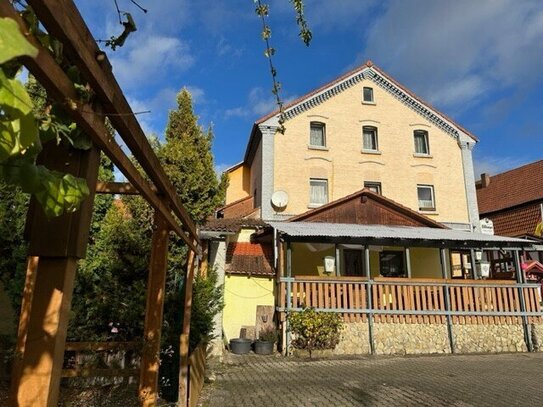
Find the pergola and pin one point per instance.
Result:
(57, 244)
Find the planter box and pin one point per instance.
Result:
(264, 348)
(240, 346)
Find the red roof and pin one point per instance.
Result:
(249, 258)
(519, 221)
(367, 64)
(238, 209)
(511, 188)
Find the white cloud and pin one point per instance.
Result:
(145, 119)
(225, 49)
(220, 168)
(259, 103)
(493, 165)
(198, 95)
(453, 52)
(150, 60)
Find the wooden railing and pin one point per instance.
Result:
(400, 300)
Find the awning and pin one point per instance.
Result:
(381, 234)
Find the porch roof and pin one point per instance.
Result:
(382, 234)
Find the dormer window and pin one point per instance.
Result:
(367, 95)
(369, 139)
(317, 135)
(422, 146)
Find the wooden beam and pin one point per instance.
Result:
(150, 358)
(185, 333)
(121, 188)
(62, 19)
(60, 87)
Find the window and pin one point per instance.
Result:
(391, 264)
(426, 198)
(318, 194)
(367, 95)
(421, 142)
(373, 186)
(317, 135)
(369, 135)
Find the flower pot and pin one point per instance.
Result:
(240, 346)
(264, 347)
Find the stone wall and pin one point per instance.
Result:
(354, 339)
(390, 339)
(471, 338)
(393, 339)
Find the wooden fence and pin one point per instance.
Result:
(100, 364)
(197, 365)
(400, 300)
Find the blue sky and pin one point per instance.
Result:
(480, 62)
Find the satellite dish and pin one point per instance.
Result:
(279, 199)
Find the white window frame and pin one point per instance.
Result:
(375, 139)
(364, 100)
(374, 184)
(316, 182)
(426, 139)
(425, 207)
(323, 127)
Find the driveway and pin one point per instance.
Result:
(465, 380)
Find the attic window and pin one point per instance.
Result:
(367, 95)
(317, 135)
(421, 142)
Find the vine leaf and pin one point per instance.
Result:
(12, 43)
(18, 129)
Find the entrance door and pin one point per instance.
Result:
(352, 260)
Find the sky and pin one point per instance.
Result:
(479, 62)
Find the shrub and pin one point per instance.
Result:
(268, 335)
(315, 330)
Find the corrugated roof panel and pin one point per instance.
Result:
(338, 230)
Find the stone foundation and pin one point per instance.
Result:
(471, 338)
(354, 339)
(405, 339)
(391, 339)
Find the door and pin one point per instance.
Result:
(353, 263)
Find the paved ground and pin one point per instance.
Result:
(467, 380)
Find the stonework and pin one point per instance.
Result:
(354, 339)
(393, 339)
(489, 338)
(405, 339)
(537, 336)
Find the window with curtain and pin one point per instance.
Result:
(421, 142)
(367, 95)
(317, 134)
(369, 136)
(426, 197)
(318, 194)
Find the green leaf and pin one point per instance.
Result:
(12, 43)
(13, 96)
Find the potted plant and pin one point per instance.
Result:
(240, 346)
(266, 339)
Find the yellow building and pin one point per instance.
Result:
(368, 186)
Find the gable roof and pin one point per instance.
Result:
(368, 70)
(511, 188)
(367, 208)
(241, 208)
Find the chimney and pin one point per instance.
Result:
(485, 180)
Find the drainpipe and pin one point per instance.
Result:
(289, 290)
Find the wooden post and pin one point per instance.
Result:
(408, 262)
(473, 264)
(338, 258)
(55, 246)
(450, 332)
(185, 334)
(150, 358)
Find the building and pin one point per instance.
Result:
(365, 206)
(513, 202)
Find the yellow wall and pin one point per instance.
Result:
(346, 167)
(308, 263)
(425, 262)
(238, 184)
(241, 296)
(256, 176)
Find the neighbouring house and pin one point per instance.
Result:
(513, 203)
(366, 206)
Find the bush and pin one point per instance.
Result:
(315, 330)
(268, 335)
